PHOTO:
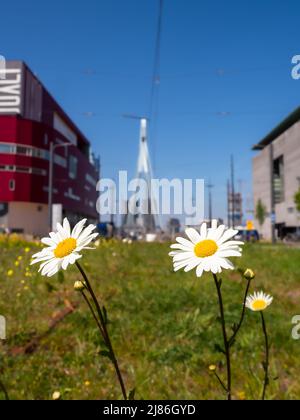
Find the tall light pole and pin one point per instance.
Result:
(209, 186)
(232, 191)
(53, 147)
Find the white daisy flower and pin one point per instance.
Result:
(63, 247)
(206, 251)
(259, 301)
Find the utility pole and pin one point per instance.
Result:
(228, 204)
(53, 147)
(232, 191)
(209, 186)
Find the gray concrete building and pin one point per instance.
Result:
(276, 177)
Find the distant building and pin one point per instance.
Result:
(235, 209)
(30, 119)
(173, 226)
(276, 176)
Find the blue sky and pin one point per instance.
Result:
(96, 57)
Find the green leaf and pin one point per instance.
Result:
(218, 348)
(60, 277)
(105, 353)
(131, 394)
(50, 288)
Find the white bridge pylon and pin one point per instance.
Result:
(144, 223)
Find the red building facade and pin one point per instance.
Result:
(30, 120)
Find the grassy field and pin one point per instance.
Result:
(163, 325)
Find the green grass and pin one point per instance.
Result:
(163, 326)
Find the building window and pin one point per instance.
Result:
(12, 185)
(278, 180)
(73, 161)
(5, 148)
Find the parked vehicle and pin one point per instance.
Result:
(247, 235)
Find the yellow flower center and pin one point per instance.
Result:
(259, 305)
(65, 248)
(205, 248)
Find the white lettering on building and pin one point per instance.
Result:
(10, 91)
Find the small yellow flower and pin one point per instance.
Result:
(17, 263)
(241, 395)
(27, 249)
(26, 287)
(87, 383)
(79, 286)
(56, 395)
(249, 274)
(20, 257)
(212, 368)
(10, 273)
(22, 281)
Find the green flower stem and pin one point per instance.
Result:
(232, 338)
(93, 313)
(3, 389)
(104, 328)
(220, 381)
(226, 342)
(266, 364)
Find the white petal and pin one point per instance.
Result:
(179, 266)
(214, 224)
(219, 232)
(185, 242)
(192, 264)
(78, 228)
(60, 230)
(229, 253)
(48, 241)
(54, 271)
(74, 257)
(206, 264)
(183, 256)
(49, 267)
(193, 235)
(66, 226)
(203, 231)
(87, 240)
(227, 235)
(44, 258)
(85, 233)
(65, 262)
(225, 263)
(179, 246)
(232, 243)
(199, 270)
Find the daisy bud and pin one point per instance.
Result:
(212, 368)
(56, 395)
(249, 274)
(79, 286)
